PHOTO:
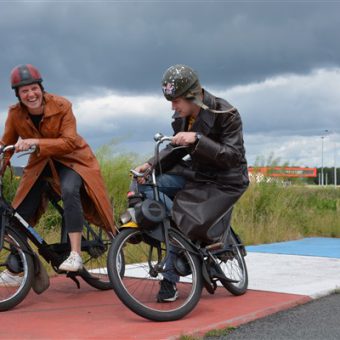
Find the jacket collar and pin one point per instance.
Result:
(206, 115)
(205, 119)
(51, 107)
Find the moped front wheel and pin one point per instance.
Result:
(139, 287)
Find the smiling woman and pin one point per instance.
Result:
(32, 97)
(62, 156)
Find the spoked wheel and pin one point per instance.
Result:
(139, 287)
(16, 271)
(234, 267)
(94, 254)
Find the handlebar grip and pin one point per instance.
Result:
(140, 174)
(8, 147)
(136, 173)
(31, 149)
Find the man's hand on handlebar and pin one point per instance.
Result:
(25, 144)
(184, 138)
(144, 168)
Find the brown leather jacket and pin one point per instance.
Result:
(59, 141)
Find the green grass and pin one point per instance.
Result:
(219, 332)
(265, 213)
(190, 337)
(212, 334)
(270, 213)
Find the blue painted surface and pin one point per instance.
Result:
(312, 246)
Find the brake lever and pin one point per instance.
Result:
(179, 147)
(32, 149)
(137, 174)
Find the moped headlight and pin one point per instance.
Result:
(128, 216)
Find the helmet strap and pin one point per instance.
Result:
(200, 103)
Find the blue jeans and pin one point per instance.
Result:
(168, 185)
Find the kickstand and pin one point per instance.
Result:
(72, 276)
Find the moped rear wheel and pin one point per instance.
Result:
(234, 267)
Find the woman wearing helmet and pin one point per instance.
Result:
(47, 121)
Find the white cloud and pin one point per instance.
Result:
(290, 104)
(293, 149)
(109, 112)
(284, 115)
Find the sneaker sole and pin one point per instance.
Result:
(70, 269)
(172, 299)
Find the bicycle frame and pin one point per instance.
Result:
(201, 252)
(7, 213)
(160, 139)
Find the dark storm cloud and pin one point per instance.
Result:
(127, 46)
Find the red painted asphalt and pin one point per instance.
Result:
(65, 312)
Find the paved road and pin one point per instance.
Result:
(319, 319)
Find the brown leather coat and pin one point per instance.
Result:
(59, 141)
(216, 173)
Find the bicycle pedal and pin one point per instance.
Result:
(72, 276)
(214, 246)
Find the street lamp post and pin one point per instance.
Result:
(322, 138)
(335, 174)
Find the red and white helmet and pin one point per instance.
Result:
(25, 75)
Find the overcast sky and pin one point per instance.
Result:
(278, 62)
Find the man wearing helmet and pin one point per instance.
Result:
(207, 177)
(62, 156)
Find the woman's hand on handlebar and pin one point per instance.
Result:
(142, 168)
(25, 144)
(184, 138)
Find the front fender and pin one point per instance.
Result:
(130, 224)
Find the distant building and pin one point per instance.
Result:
(267, 173)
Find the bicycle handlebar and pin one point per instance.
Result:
(159, 138)
(136, 173)
(32, 149)
(6, 148)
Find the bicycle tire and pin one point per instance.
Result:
(235, 288)
(95, 282)
(15, 247)
(149, 310)
(94, 272)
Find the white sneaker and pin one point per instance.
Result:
(73, 263)
(9, 279)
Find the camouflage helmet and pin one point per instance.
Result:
(180, 80)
